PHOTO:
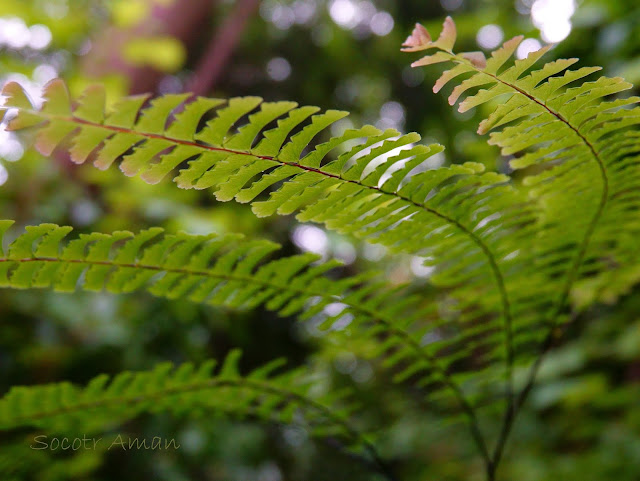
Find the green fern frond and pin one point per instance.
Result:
(184, 391)
(579, 146)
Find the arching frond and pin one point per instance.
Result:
(187, 390)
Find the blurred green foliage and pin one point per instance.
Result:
(583, 421)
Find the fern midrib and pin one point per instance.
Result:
(204, 146)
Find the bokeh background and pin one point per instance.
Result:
(582, 422)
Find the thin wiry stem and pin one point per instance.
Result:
(221, 46)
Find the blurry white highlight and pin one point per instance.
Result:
(527, 46)
(311, 239)
(278, 69)
(553, 18)
(490, 36)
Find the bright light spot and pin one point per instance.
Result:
(342, 322)
(556, 30)
(391, 116)
(10, 147)
(544, 10)
(381, 23)
(373, 252)
(489, 36)
(393, 111)
(4, 175)
(278, 69)
(84, 212)
(552, 18)
(311, 239)
(40, 37)
(14, 33)
(43, 73)
(334, 309)
(12, 150)
(512, 255)
(85, 47)
(435, 161)
(345, 251)
(527, 46)
(451, 5)
(283, 17)
(344, 13)
(419, 269)
(341, 126)
(304, 10)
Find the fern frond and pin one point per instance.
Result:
(580, 147)
(585, 150)
(184, 391)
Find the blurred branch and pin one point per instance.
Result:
(221, 47)
(181, 19)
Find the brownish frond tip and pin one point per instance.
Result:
(447, 37)
(418, 40)
(421, 40)
(476, 58)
